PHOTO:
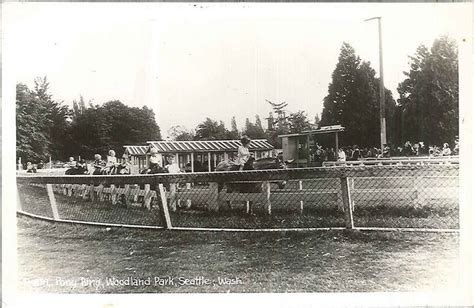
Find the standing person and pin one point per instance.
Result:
(446, 150)
(156, 162)
(355, 153)
(341, 155)
(386, 150)
(172, 165)
(331, 154)
(243, 153)
(30, 168)
(456, 146)
(125, 166)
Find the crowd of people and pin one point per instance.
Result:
(317, 154)
(354, 153)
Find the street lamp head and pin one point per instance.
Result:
(378, 17)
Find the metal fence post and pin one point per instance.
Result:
(164, 206)
(346, 202)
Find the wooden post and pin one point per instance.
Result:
(209, 161)
(346, 201)
(226, 156)
(84, 191)
(52, 201)
(267, 191)
(164, 206)
(214, 197)
(301, 201)
(126, 194)
(297, 151)
(188, 201)
(247, 206)
(173, 205)
(92, 192)
(18, 200)
(337, 143)
(309, 154)
(100, 192)
(215, 160)
(147, 197)
(69, 191)
(192, 162)
(113, 195)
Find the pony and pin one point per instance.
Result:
(79, 169)
(251, 164)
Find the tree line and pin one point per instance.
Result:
(426, 111)
(48, 128)
(211, 129)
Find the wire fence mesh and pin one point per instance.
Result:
(421, 196)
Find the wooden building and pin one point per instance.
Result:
(195, 156)
(301, 147)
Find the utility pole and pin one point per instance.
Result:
(383, 132)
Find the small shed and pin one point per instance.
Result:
(299, 147)
(197, 155)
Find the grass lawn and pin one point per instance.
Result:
(54, 257)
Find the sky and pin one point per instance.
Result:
(188, 62)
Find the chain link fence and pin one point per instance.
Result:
(400, 196)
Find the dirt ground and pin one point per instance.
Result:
(67, 258)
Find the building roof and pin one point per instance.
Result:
(322, 130)
(136, 149)
(198, 146)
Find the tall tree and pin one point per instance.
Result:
(298, 122)
(254, 131)
(352, 100)
(32, 140)
(429, 96)
(211, 130)
(316, 120)
(110, 127)
(180, 133)
(234, 132)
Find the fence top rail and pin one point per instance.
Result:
(259, 175)
(414, 158)
(392, 161)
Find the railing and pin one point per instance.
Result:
(395, 161)
(415, 197)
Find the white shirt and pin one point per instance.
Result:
(111, 160)
(173, 168)
(446, 151)
(341, 156)
(243, 155)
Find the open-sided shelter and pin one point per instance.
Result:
(196, 155)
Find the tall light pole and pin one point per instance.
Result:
(383, 132)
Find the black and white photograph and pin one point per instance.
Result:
(312, 151)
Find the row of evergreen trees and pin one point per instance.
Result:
(426, 111)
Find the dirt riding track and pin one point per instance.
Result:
(62, 258)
